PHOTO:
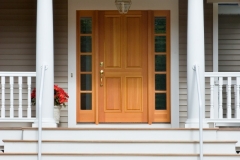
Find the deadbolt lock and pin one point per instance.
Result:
(101, 64)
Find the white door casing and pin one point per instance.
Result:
(74, 5)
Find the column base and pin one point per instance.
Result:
(46, 123)
(194, 123)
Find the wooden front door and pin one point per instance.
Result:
(123, 67)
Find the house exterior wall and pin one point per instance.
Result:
(18, 40)
(208, 29)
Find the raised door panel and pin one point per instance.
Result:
(112, 94)
(133, 41)
(112, 39)
(134, 94)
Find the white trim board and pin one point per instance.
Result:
(229, 9)
(222, 1)
(215, 37)
(74, 5)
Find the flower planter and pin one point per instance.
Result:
(60, 98)
(57, 113)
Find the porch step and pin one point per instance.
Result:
(119, 146)
(121, 143)
(116, 156)
(119, 134)
(105, 134)
(9, 133)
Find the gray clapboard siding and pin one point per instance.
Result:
(61, 50)
(229, 48)
(208, 12)
(229, 43)
(18, 42)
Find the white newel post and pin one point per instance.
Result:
(44, 55)
(195, 55)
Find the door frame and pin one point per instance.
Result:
(154, 115)
(75, 5)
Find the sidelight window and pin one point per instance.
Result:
(85, 55)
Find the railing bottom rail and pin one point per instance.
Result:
(18, 120)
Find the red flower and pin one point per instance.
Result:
(60, 96)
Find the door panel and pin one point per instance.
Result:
(134, 94)
(124, 54)
(113, 96)
(112, 47)
(133, 41)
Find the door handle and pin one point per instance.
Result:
(101, 77)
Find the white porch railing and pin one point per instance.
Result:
(17, 84)
(15, 94)
(224, 109)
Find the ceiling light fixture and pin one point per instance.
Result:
(123, 5)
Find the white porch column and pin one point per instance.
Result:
(195, 55)
(45, 55)
(215, 56)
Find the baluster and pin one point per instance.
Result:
(237, 110)
(20, 97)
(11, 98)
(29, 97)
(235, 98)
(229, 110)
(3, 97)
(226, 99)
(215, 97)
(220, 109)
(212, 99)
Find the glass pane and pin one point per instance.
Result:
(160, 25)
(86, 44)
(86, 82)
(160, 62)
(86, 63)
(86, 25)
(160, 82)
(160, 101)
(86, 101)
(160, 43)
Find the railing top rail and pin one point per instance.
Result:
(222, 74)
(23, 74)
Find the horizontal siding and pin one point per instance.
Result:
(18, 42)
(208, 12)
(182, 61)
(229, 48)
(17, 35)
(229, 43)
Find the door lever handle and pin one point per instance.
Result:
(101, 77)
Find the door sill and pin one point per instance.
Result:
(121, 125)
